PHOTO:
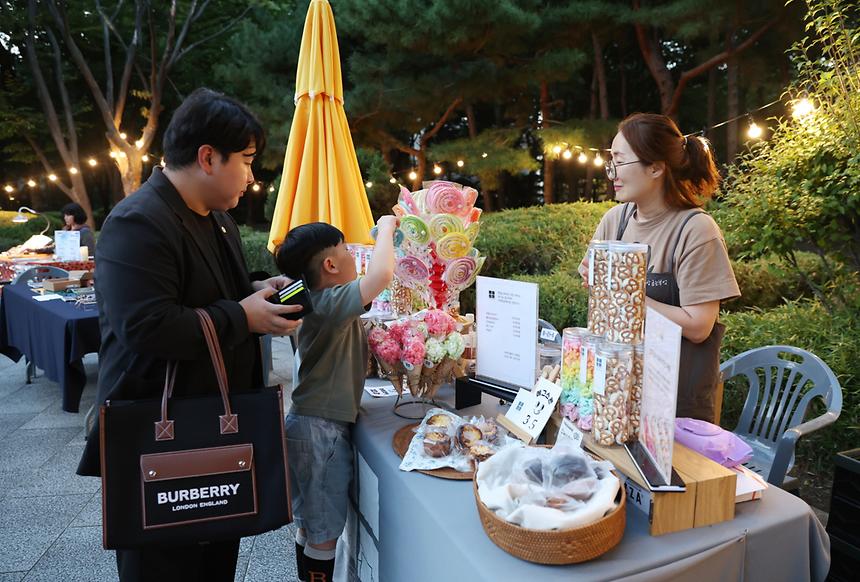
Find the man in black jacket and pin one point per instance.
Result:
(168, 248)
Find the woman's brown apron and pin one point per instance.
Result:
(700, 363)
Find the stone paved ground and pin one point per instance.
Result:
(50, 519)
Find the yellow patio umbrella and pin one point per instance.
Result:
(321, 180)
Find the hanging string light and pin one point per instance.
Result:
(368, 184)
(460, 163)
(582, 158)
(413, 175)
(598, 160)
(73, 170)
(392, 180)
(567, 154)
(754, 131)
(92, 162)
(437, 169)
(31, 183)
(802, 108)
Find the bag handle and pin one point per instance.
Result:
(229, 422)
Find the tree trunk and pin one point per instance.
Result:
(421, 159)
(712, 98)
(548, 177)
(592, 111)
(733, 100)
(623, 92)
(470, 117)
(600, 75)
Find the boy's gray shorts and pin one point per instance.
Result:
(320, 457)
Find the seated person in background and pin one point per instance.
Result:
(76, 219)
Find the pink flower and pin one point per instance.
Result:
(439, 323)
(413, 352)
(388, 351)
(376, 336)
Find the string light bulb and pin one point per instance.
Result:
(368, 184)
(556, 149)
(413, 175)
(484, 155)
(138, 144)
(392, 180)
(9, 188)
(567, 154)
(437, 169)
(73, 170)
(31, 183)
(802, 108)
(598, 160)
(271, 189)
(52, 177)
(123, 135)
(754, 131)
(460, 163)
(92, 162)
(255, 187)
(113, 155)
(144, 158)
(582, 158)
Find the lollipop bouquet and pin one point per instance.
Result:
(422, 351)
(436, 258)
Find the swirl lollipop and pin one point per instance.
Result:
(398, 235)
(399, 211)
(453, 246)
(415, 229)
(459, 272)
(472, 231)
(471, 196)
(411, 271)
(445, 198)
(478, 264)
(442, 224)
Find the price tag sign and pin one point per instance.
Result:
(569, 433)
(548, 334)
(531, 410)
(599, 375)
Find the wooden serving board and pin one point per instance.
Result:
(401, 441)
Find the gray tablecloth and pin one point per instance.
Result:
(427, 528)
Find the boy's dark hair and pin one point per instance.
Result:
(210, 118)
(299, 254)
(75, 210)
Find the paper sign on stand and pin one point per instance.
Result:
(569, 433)
(531, 410)
(660, 390)
(67, 245)
(507, 323)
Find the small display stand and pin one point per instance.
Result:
(708, 498)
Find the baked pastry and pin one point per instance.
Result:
(437, 444)
(556, 502)
(468, 435)
(490, 429)
(440, 420)
(481, 452)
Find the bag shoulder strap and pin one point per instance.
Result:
(678, 237)
(625, 218)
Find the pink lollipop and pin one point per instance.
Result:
(411, 271)
(471, 196)
(407, 201)
(446, 198)
(459, 271)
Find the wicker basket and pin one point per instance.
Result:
(566, 546)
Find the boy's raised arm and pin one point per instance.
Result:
(381, 268)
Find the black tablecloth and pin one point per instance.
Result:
(54, 335)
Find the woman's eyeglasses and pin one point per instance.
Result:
(612, 167)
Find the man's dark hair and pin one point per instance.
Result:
(301, 253)
(210, 118)
(74, 210)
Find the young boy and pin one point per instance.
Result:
(333, 352)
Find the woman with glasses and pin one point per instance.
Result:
(662, 180)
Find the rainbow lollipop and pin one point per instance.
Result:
(411, 271)
(415, 229)
(442, 224)
(459, 272)
(446, 198)
(453, 246)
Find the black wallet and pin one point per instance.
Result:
(296, 293)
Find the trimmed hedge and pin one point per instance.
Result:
(538, 239)
(831, 337)
(257, 254)
(768, 282)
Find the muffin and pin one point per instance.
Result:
(481, 452)
(468, 435)
(442, 421)
(437, 444)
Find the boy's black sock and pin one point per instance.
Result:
(318, 564)
(300, 562)
(301, 540)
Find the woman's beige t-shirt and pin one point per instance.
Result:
(702, 267)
